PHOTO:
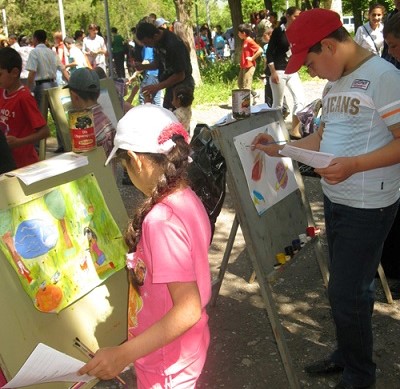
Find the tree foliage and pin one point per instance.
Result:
(25, 16)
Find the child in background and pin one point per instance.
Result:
(76, 58)
(268, 92)
(20, 118)
(168, 241)
(182, 101)
(84, 86)
(231, 44)
(250, 52)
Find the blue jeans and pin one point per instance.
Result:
(150, 79)
(355, 241)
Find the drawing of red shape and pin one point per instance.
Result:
(256, 171)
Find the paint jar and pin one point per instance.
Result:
(81, 124)
(289, 251)
(303, 239)
(241, 103)
(310, 231)
(296, 245)
(280, 257)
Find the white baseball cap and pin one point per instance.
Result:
(147, 129)
(160, 21)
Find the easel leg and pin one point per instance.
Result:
(385, 285)
(224, 264)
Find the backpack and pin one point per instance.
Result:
(207, 173)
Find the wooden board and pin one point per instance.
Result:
(99, 319)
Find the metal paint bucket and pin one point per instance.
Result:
(81, 124)
(241, 103)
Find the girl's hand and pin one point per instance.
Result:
(106, 364)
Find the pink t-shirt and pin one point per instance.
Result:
(173, 248)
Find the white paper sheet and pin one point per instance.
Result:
(46, 364)
(269, 179)
(49, 167)
(311, 158)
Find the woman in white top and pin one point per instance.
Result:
(95, 48)
(370, 34)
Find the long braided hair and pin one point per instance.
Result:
(174, 176)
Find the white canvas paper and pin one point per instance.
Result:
(269, 179)
(46, 364)
(315, 159)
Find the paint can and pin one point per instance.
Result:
(310, 231)
(296, 245)
(303, 239)
(81, 124)
(289, 251)
(241, 103)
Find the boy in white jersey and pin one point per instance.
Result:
(361, 127)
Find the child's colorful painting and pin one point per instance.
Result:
(269, 179)
(63, 244)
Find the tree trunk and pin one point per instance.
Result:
(356, 7)
(237, 18)
(268, 5)
(183, 8)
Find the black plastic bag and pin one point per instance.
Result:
(207, 172)
(309, 119)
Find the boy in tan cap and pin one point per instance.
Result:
(361, 127)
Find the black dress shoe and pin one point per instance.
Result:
(343, 385)
(324, 366)
(59, 150)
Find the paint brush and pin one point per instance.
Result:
(86, 350)
(275, 142)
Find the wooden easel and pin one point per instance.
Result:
(267, 234)
(98, 318)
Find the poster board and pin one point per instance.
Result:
(269, 232)
(99, 318)
(274, 229)
(60, 102)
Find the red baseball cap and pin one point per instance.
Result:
(309, 28)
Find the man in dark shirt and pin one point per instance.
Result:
(171, 59)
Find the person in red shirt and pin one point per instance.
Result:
(250, 52)
(20, 118)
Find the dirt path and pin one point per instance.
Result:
(243, 352)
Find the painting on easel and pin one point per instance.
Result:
(269, 179)
(62, 244)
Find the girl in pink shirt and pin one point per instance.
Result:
(168, 241)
